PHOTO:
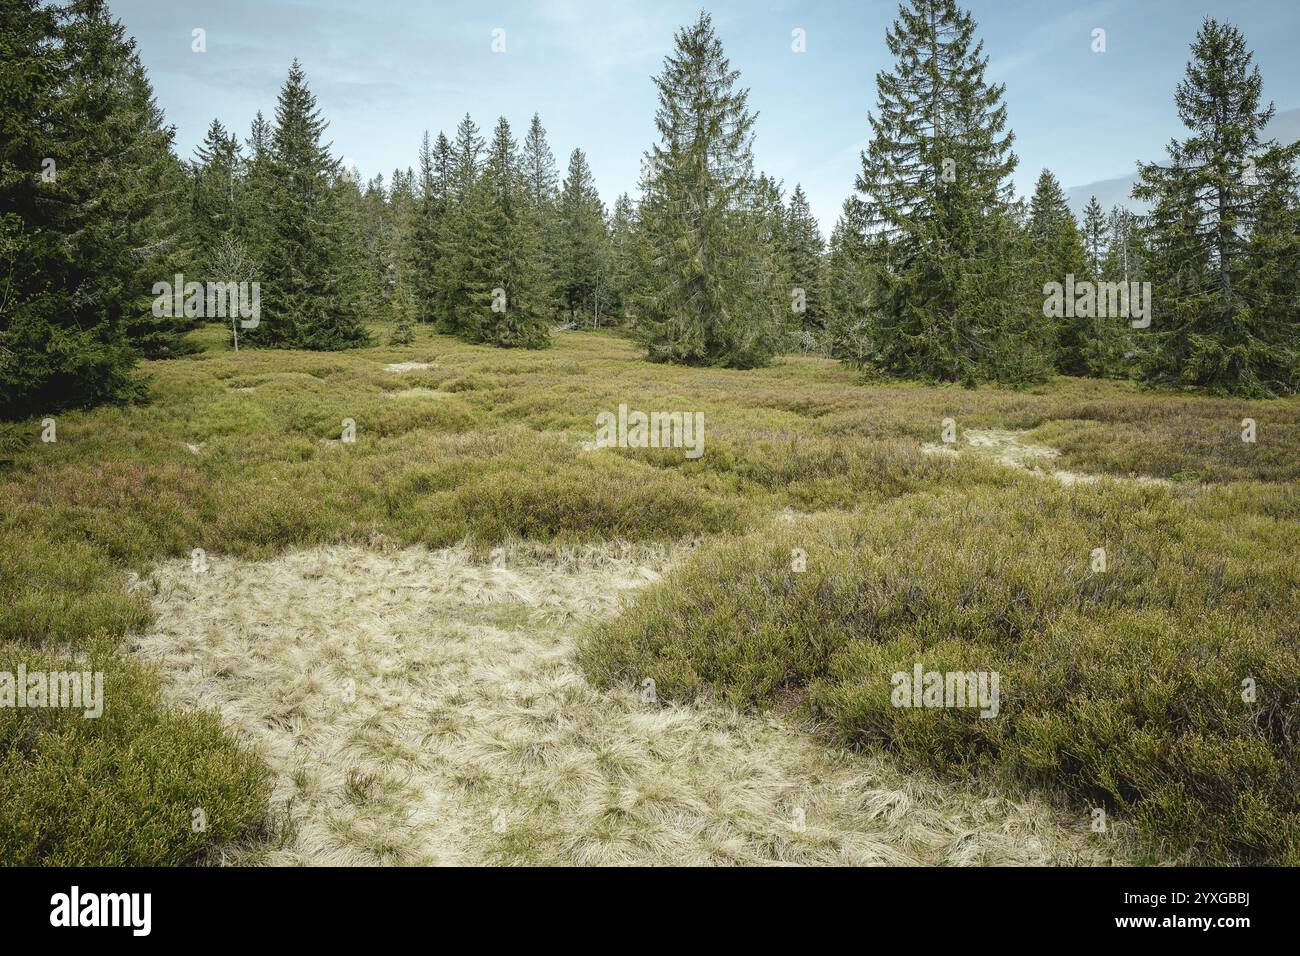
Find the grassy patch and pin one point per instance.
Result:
(241, 455)
(140, 785)
(1123, 688)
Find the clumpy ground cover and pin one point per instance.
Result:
(1122, 689)
(421, 706)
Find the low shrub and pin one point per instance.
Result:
(1165, 687)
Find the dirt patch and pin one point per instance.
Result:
(421, 707)
(407, 393)
(1009, 448)
(401, 367)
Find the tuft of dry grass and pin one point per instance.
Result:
(1014, 450)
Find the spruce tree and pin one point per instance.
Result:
(582, 267)
(461, 282)
(805, 254)
(132, 181)
(217, 172)
(935, 183)
(541, 184)
(360, 263)
(854, 288)
(309, 292)
(55, 352)
(623, 260)
(1123, 260)
(1213, 217)
(770, 250)
(403, 208)
(428, 221)
(701, 302)
(402, 309)
(1272, 276)
(1096, 235)
(253, 225)
(1109, 341)
(378, 231)
(402, 192)
(1058, 252)
(514, 315)
(90, 210)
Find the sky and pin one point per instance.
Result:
(383, 73)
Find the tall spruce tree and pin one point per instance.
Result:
(1058, 253)
(130, 180)
(310, 298)
(1213, 216)
(770, 251)
(702, 301)
(1109, 341)
(623, 260)
(855, 268)
(361, 272)
(541, 184)
(805, 251)
(377, 227)
(515, 313)
(936, 185)
(1272, 281)
(403, 207)
(217, 172)
(90, 209)
(1096, 235)
(582, 262)
(462, 285)
(428, 214)
(1123, 261)
(254, 228)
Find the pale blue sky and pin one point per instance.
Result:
(383, 72)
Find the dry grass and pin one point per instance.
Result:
(473, 739)
(1014, 450)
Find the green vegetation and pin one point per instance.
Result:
(308, 248)
(239, 455)
(1163, 686)
(85, 166)
(1224, 233)
(122, 789)
(1122, 687)
(956, 298)
(706, 293)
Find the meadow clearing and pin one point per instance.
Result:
(433, 643)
